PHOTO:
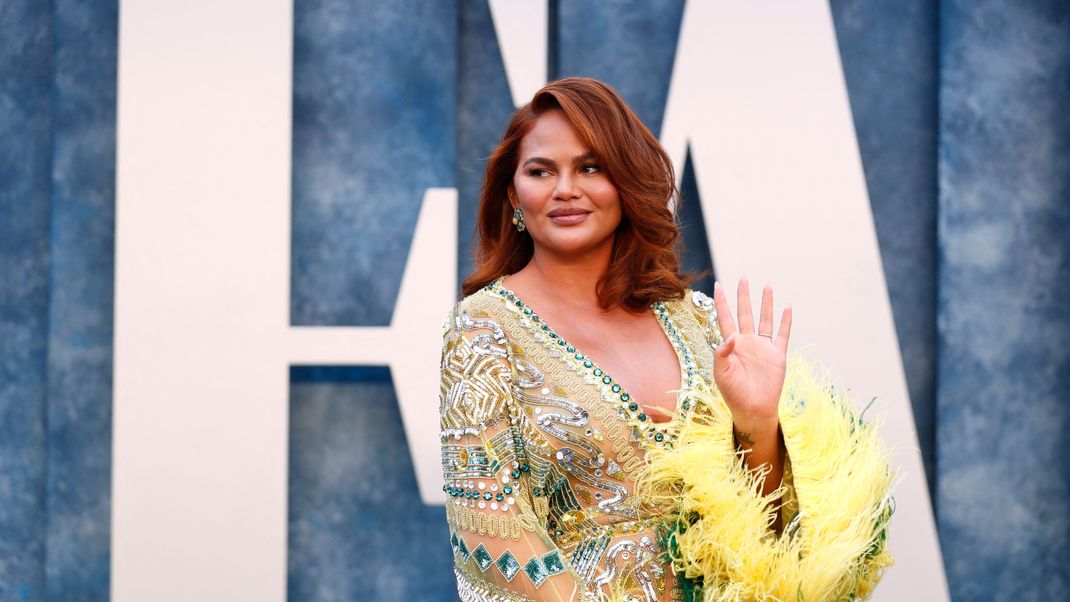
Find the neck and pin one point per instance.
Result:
(572, 280)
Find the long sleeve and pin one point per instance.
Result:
(500, 545)
(832, 549)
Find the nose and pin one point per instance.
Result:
(566, 187)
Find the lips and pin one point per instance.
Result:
(567, 216)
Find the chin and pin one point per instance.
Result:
(576, 244)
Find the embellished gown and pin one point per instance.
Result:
(540, 450)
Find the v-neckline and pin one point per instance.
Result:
(629, 409)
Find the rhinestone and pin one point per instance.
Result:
(552, 562)
(545, 391)
(482, 557)
(482, 505)
(508, 565)
(494, 487)
(482, 485)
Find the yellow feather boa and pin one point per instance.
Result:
(721, 537)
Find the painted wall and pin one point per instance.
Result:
(966, 148)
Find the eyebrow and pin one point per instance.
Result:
(580, 159)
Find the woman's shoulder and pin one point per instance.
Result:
(483, 308)
(698, 306)
(481, 301)
(694, 301)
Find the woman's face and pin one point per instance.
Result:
(570, 206)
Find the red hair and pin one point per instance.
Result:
(645, 265)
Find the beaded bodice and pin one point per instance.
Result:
(540, 451)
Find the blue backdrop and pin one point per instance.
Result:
(960, 112)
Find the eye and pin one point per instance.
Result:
(537, 172)
(591, 168)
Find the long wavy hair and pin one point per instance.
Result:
(645, 265)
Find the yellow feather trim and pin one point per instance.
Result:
(833, 550)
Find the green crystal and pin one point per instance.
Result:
(462, 549)
(552, 562)
(508, 565)
(482, 558)
(536, 571)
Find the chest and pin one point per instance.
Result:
(636, 352)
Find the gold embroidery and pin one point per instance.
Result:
(474, 390)
(473, 521)
(501, 362)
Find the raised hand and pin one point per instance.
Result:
(749, 366)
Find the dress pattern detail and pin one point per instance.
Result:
(541, 448)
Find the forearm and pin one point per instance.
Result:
(764, 447)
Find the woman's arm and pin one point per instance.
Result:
(749, 367)
(501, 548)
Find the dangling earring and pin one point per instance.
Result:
(518, 220)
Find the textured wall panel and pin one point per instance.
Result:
(25, 158)
(357, 528)
(1003, 397)
(80, 323)
(374, 104)
(889, 52)
(484, 106)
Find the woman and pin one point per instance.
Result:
(594, 411)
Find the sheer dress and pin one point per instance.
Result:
(540, 450)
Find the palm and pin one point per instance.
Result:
(749, 366)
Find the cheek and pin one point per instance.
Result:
(605, 195)
(528, 192)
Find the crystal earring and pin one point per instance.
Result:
(518, 219)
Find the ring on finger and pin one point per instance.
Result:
(768, 336)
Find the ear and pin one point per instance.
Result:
(511, 193)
